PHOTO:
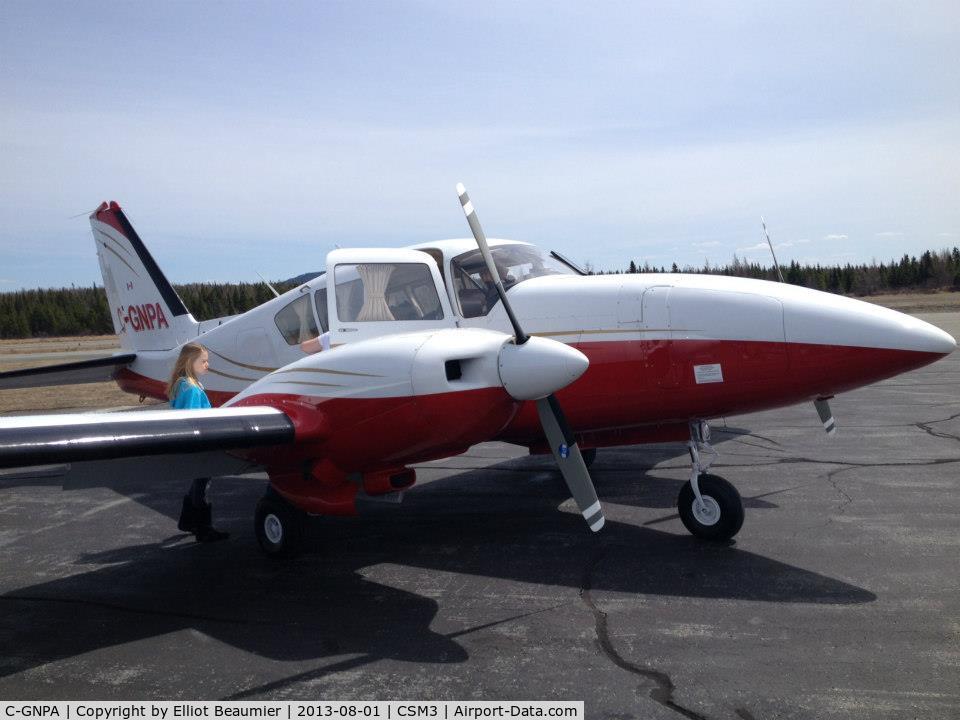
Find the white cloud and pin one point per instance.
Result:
(790, 244)
(711, 243)
(835, 237)
(776, 246)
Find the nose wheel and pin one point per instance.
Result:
(278, 526)
(709, 506)
(717, 515)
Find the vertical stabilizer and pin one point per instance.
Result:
(147, 312)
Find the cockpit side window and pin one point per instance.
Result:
(295, 322)
(475, 288)
(381, 292)
(476, 292)
(320, 298)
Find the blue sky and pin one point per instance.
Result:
(246, 136)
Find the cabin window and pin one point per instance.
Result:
(296, 322)
(381, 292)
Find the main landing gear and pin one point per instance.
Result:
(709, 506)
(279, 526)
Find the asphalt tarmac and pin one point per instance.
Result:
(839, 598)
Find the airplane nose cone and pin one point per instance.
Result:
(839, 343)
(934, 340)
(905, 332)
(814, 317)
(539, 367)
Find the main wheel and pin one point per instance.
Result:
(279, 527)
(720, 517)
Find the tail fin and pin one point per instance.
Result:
(147, 312)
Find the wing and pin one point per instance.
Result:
(83, 371)
(47, 439)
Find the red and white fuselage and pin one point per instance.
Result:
(663, 349)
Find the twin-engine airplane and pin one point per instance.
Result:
(443, 345)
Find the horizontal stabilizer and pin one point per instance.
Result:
(44, 439)
(72, 373)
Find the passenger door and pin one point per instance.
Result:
(371, 293)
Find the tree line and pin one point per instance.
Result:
(84, 310)
(933, 270)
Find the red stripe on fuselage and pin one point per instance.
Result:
(137, 384)
(633, 383)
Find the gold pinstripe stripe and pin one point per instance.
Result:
(243, 365)
(301, 382)
(232, 377)
(328, 372)
(607, 332)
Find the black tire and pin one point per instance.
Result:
(721, 497)
(279, 527)
(589, 455)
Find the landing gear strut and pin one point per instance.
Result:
(709, 506)
(278, 526)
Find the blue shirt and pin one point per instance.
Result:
(189, 396)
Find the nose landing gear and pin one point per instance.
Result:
(710, 507)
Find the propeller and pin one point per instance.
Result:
(559, 435)
(826, 415)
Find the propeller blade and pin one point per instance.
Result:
(554, 422)
(481, 239)
(568, 457)
(826, 415)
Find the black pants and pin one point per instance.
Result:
(198, 492)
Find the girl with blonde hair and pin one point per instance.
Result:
(186, 393)
(185, 390)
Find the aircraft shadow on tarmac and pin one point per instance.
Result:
(485, 523)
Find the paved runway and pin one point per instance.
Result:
(840, 597)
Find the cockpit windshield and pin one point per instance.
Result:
(476, 291)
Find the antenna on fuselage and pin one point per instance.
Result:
(822, 404)
(767, 235)
(272, 288)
